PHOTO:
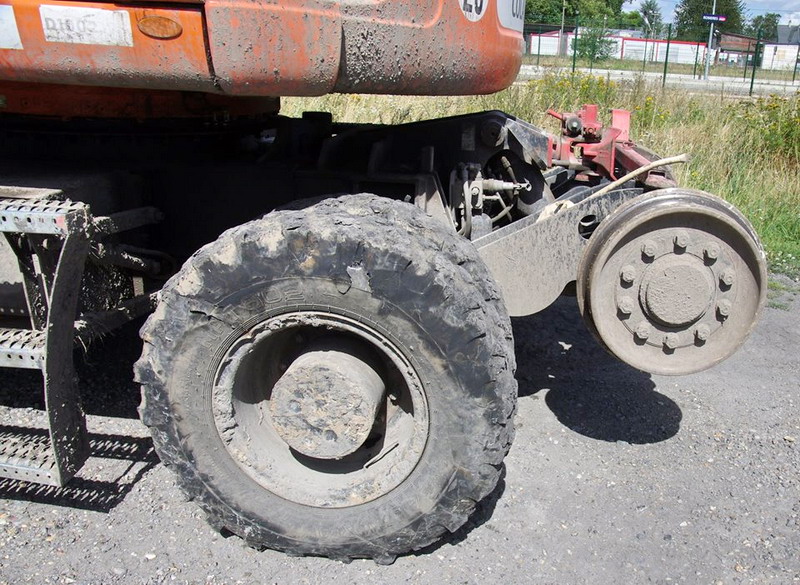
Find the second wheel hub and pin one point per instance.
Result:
(677, 290)
(325, 404)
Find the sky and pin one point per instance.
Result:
(788, 9)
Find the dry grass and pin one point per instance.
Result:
(747, 151)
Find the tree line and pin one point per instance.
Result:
(688, 21)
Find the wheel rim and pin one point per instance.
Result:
(319, 459)
(673, 283)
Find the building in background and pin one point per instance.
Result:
(729, 49)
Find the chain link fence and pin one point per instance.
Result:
(603, 46)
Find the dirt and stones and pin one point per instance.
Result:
(614, 476)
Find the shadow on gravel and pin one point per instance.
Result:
(106, 374)
(588, 390)
(85, 494)
(105, 377)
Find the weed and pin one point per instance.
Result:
(746, 151)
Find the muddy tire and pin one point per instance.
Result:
(227, 351)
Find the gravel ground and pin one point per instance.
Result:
(615, 477)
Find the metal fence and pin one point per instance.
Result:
(767, 62)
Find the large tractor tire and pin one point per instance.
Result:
(335, 380)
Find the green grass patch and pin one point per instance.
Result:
(778, 286)
(746, 151)
(781, 292)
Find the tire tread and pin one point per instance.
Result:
(408, 226)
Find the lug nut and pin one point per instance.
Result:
(643, 330)
(649, 249)
(627, 274)
(724, 308)
(625, 305)
(681, 240)
(727, 277)
(702, 332)
(711, 251)
(671, 340)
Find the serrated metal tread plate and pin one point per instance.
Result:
(27, 456)
(22, 348)
(39, 216)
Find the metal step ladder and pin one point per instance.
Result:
(51, 239)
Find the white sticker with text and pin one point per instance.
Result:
(9, 33)
(474, 9)
(86, 26)
(512, 14)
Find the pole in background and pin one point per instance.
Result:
(539, 49)
(561, 46)
(746, 61)
(755, 61)
(646, 36)
(696, 57)
(796, 59)
(666, 57)
(710, 38)
(575, 42)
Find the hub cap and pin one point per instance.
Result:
(326, 403)
(321, 409)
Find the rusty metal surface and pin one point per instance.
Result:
(325, 404)
(267, 48)
(94, 43)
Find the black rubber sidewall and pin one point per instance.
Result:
(422, 294)
(453, 421)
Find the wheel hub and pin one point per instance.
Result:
(676, 290)
(325, 404)
(672, 282)
(320, 409)
(666, 293)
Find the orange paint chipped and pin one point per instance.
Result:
(44, 99)
(275, 48)
(156, 63)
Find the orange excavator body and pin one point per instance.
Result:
(263, 48)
